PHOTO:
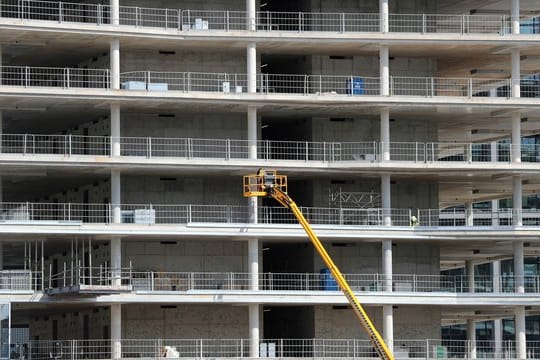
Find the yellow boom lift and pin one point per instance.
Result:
(267, 183)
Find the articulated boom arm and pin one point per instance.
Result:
(269, 184)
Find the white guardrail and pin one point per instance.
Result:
(229, 20)
(268, 348)
(323, 281)
(227, 149)
(300, 84)
(149, 214)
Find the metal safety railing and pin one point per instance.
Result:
(272, 348)
(149, 214)
(229, 20)
(227, 149)
(316, 282)
(299, 84)
(30, 76)
(20, 280)
(93, 276)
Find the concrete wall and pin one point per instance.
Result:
(366, 258)
(70, 324)
(406, 194)
(185, 322)
(172, 124)
(410, 322)
(369, 66)
(372, 6)
(182, 190)
(189, 4)
(367, 129)
(98, 192)
(187, 256)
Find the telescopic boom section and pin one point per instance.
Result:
(267, 183)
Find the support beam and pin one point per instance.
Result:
(521, 335)
(498, 336)
(385, 134)
(386, 200)
(387, 264)
(115, 63)
(116, 331)
(253, 263)
(383, 15)
(116, 196)
(495, 212)
(516, 73)
(516, 137)
(471, 338)
(251, 54)
(388, 326)
(519, 266)
(2, 257)
(252, 112)
(252, 144)
(496, 276)
(469, 269)
(384, 70)
(115, 12)
(251, 14)
(515, 17)
(469, 213)
(254, 330)
(517, 201)
(116, 261)
(115, 129)
(494, 150)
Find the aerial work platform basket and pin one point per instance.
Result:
(262, 182)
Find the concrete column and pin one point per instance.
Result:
(253, 263)
(498, 337)
(388, 326)
(252, 145)
(471, 338)
(387, 264)
(516, 73)
(385, 134)
(521, 335)
(383, 14)
(116, 196)
(517, 217)
(495, 212)
(115, 11)
(1, 143)
(116, 261)
(116, 331)
(251, 54)
(519, 266)
(251, 8)
(516, 138)
(494, 151)
(115, 63)
(469, 269)
(386, 200)
(254, 330)
(384, 70)
(115, 129)
(496, 276)
(469, 214)
(515, 17)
